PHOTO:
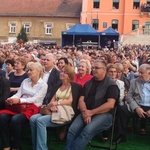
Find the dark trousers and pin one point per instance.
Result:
(124, 115)
(11, 129)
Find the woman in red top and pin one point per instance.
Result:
(84, 70)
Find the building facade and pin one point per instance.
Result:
(128, 17)
(42, 20)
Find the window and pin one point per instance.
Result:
(115, 4)
(136, 4)
(48, 28)
(135, 25)
(146, 28)
(95, 24)
(96, 3)
(69, 25)
(115, 24)
(148, 2)
(104, 24)
(12, 27)
(27, 27)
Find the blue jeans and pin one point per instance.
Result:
(79, 133)
(39, 124)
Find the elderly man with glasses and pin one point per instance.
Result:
(96, 105)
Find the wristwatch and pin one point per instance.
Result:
(58, 102)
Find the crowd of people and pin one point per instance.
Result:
(91, 81)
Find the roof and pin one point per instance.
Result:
(109, 31)
(55, 8)
(81, 29)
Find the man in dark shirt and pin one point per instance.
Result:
(96, 106)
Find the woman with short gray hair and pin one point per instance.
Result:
(84, 70)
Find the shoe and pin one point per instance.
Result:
(120, 139)
(63, 133)
(104, 139)
(143, 132)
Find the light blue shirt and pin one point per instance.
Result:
(146, 94)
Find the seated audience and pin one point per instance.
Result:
(4, 91)
(112, 72)
(66, 93)
(10, 66)
(62, 62)
(135, 60)
(129, 74)
(51, 74)
(18, 76)
(2, 71)
(84, 70)
(132, 66)
(11, 123)
(121, 76)
(96, 106)
(30, 57)
(138, 102)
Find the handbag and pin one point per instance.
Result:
(44, 110)
(64, 114)
(17, 108)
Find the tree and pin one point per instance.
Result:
(22, 36)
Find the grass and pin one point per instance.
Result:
(134, 142)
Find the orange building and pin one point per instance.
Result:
(128, 17)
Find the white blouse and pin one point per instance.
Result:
(121, 87)
(32, 94)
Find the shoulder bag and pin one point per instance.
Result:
(17, 108)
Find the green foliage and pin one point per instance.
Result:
(22, 36)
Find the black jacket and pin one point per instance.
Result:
(4, 91)
(54, 79)
(76, 92)
(2, 73)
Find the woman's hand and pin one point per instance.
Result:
(54, 109)
(51, 104)
(13, 101)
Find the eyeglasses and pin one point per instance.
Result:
(96, 67)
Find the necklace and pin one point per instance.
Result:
(64, 87)
(60, 93)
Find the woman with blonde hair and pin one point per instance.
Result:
(112, 72)
(84, 70)
(121, 76)
(11, 121)
(66, 93)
